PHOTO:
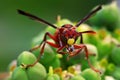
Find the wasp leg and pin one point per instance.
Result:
(50, 43)
(92, 54)
(81, 36)
(87, 56)
(44, 39)
(34, 48)
(75, 53)
(59, 50)
(42, 47)
(81, 39)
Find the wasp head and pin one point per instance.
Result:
(69, 34)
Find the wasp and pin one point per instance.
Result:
(64, 37)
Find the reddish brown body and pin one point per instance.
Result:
(61, 36)
(64, 38)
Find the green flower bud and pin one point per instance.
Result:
(19, 74)
(89, 74)
(115, 55)
(116, 73)
(56, 77)
(55, 63)
(104, 48)
(37, 72)
(110, 68)
(77, 77)
(117, 34)
(103, 63)
(51, 75)
(26, 58)
(50, 78)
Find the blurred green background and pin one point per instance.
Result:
(16, 31)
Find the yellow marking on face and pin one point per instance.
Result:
(70, 41)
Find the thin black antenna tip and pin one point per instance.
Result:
(89, 15)
(35, 18)
(20, 11)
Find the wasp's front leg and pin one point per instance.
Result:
(42, 45)
(82, 46)
(60, 50)
(44, 39)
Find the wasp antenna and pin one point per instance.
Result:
(89, 15)
(36, 18)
